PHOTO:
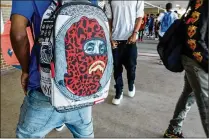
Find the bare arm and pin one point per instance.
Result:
(110, 27)
(108, 11)
(132, 38)
(20, 45)
(19, 40)
(138, 24)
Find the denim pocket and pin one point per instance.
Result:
(36, 113)
(85, 115)
(22, 112)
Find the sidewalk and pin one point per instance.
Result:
(146, 115)
(148, 48)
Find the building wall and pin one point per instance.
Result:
(6, 10)
(152, 11)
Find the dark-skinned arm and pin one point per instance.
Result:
(110, 26)
(20, 45)
(138, 22)
(132, 38)
(109, 13)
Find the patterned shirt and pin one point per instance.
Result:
(197, 33)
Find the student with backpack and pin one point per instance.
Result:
(166, 19)
(142, 28)
(194, 59)
(125, 19)
(151, 25)
(156, 28)
(67, 72)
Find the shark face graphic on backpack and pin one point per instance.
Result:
(86, 53)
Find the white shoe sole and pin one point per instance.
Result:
(117, 101)
(132, 93)
(60, 128)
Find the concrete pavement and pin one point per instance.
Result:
(145, 115)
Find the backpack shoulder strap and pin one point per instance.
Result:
(189, 5)
(35, 8)
(136, 5)
(109, 2)
(36, 13)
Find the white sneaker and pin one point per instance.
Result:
(60, 128)
(132, 93)
(156, 39)
(117, 101)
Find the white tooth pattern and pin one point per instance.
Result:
(98, 67)
(98, 63)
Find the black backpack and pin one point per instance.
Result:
(171, 45)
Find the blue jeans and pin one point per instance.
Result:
(38, 118)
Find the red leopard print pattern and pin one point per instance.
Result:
(77, 79)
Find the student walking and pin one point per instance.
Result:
(156, 28)
(195, 62)
(125, 18)
(37, 115)
(165, 20)
(151, 26)
(142, 28)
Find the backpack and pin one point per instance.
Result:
(170, 47)
(75, 55)
(6, 47)
(166, 21)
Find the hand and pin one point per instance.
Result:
(24, 81)
(114, 44)
(132, 39)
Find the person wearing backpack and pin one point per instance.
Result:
(166, 19)
(156, 28)
(142, 28)
(125, 18)
(195, 63)
(37, 116)
(151, 25)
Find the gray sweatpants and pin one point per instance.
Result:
(195, 88)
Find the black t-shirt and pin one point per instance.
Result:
(197, 33)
